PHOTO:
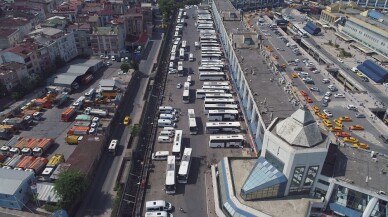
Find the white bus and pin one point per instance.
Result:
(216, 83)
(186, 85)
(208, 107)
(219, 101)
(181, 54)
(201, 93)
(170, 175)
(223, 115)
(186, 96)
(205, 26)
(218, 96)
(184, 167)
(223, 127)
(189, 80)
(211, 49)
(209, 69)
(192, 122)
(225, 88)
(180, 68)
(212, 76)
(184, 44)
(210, 44)
(113, 147)
(226, 141)
(212, 52)
(177, 145)
(210, 56)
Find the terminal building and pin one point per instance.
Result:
(299, 172)
(380, 4)
(246, 5)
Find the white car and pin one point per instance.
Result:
(179, 85)
(327, 112)
(325, 81)
(340, 60)
(339, 95)
(328, 94)
(316, 71)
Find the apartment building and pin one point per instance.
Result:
(12, 74)
(13, 29)
(108, 40)
(25, 53)
(82, 33)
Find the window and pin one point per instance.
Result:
(297, 177)
(311, 174)
(323, 182)
(278, 164)
(380, 209)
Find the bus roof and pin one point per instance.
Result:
(223, 111)
(237, 136)
(223, 124)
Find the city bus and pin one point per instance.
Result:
(181, 54)
(177, 145)
(207, 37)
(208, 107)
(223, 115)
(210, 44)
(186, 96)
(218, 96)
(192, 122)
(113, 147)
(227, 89)
(209, 69)
(219, 101)
(226, 141)
(184, 167)
(216, 83)
(180, 68)
(184, 43)
(212, 52)
(211, 49)
(170, 175)
(203, 26)
(212, 76)
(223, 127)
(201, 93)
(204, 63)
(212, 56)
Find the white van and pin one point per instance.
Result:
(165, 123)
(168, 117)
(303, 74)
(171, 66)
(160, 155)
(169, 129)
(191, 57)
(189, 80)
(158, 205)
(352, 107)
(158, 214)
(166, 133)
(167, 110)
(164, 139)
(196, 44)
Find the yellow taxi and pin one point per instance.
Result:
(338, 123)
(361, 145)
(350, 139)
(335, 129)
(126, 120)
(294, 75)
(327, 123)
(315, 108)
(356, 127)
(360, 74)
(345, 119)
(321, 115)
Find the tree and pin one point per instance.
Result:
(70, 185)
(134, 65)
(125, 67)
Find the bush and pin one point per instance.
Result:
(51, 207)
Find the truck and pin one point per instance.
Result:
(9, 128)
(73, 139)
(42, 146)
(79, 103)
(97, 112)
(13, 161)
(61, 98)
(5, 134)
(19, 123)
(86, 79)
(27, 149)
(18, 146)
(37, 165)
(60, 168)
(67, 114)
(78, 130)
(43, 102)
(25, 162)
(55, 160)
(7, 146)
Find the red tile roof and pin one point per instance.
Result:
(7, 32)
(11, 22)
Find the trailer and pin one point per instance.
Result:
(13, 161)
(19, 123)
(67, 114)
(73, 139)
(60, 168)
(97, 112)
(78, 130)
(37, 165)
(55, 160)
(42, 146)
(61, 98)
(25, 162)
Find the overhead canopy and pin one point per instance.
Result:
(373, 71)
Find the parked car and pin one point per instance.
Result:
(327, 112)
(339, 95)
(359, 115)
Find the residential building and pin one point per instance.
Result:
(15, 188)
(58, 43)
(70, 10)
(8, 38)
(332, 14)
(108, 40)
(57, 22)
(82, 33)
(24, 53)
(12, 74)
(378, 4)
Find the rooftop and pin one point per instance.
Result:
(10, 67)
(370, 23)
(21, 50)
(13, 22)
(355, 166)
(268, 94)
(48, 32)
(111, 30)
(286, 206)
(10, 180)
(7, 32)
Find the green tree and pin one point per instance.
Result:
(70, 185)
(134, 65)
(125, 67)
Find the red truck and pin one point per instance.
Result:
(42, 146)
(25, 162)
(38, 165)
(67, 114)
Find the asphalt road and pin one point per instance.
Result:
(191, 196)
